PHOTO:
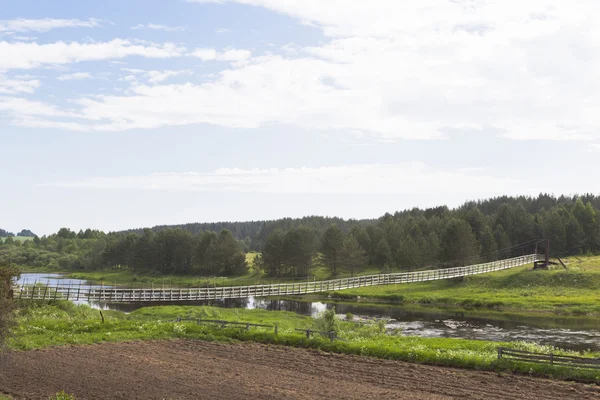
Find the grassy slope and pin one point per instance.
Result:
(63, 323)
(574, 291)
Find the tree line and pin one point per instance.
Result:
(482, 230)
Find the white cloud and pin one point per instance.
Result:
(76, 76)
(46, 24)
(34, 55)
(22, 108)
(223, 30)
(528, 70)
(205, 54)
(370, 179)
(18, 85)
(158, 27)
(385, 69)
(225, 55)
(154, 76)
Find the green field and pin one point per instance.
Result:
(61, 323)
(575, 291)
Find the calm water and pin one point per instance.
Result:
(568, 333)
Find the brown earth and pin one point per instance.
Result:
(202, 370)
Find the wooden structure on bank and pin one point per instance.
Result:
(128, 295)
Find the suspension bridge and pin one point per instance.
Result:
(116, 294)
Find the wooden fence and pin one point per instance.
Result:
(128, 295)
(553, 359)
(222, 323)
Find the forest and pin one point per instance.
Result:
(481, 230)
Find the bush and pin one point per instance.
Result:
(62, 396)
(7, 273)
(327, 321)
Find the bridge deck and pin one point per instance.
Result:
(127, 295)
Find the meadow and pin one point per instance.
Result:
(574, 291)
(42, 325)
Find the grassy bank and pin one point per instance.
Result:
(558, 291)
(60, 323)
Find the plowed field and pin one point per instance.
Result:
(201, 370)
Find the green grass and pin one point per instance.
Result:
(59, 323)
(575, 291)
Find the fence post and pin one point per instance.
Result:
(499, 353)
(308, 333)
(247, 326)
(332, 336)
(551, 358)
(276, 329)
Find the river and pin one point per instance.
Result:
(565, 332)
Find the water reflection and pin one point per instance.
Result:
(54, 279)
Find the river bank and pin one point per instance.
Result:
(60, 323)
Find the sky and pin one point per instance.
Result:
(127, 114)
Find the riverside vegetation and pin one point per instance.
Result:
(44, 324)
(574, 291)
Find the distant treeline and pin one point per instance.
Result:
(476, 231)
(255, 233)
(24, 232)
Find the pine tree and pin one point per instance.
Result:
(489, 248)
(352, 255)
(458, 242)
(331, 247)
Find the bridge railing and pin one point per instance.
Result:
(120, 294)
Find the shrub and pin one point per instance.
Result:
(349, 317)
(327, 321)
(62, 396)
(7, 273)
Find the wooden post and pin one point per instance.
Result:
(499, 353)
(308, 333)
(551, 358)
(332, 336)
(102, 316)
(247, 326)
(276, 329)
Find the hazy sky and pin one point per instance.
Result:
(130, 113)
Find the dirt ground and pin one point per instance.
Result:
(201, 370)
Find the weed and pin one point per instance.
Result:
(62, 396)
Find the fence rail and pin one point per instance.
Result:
(128, 295)
(553, 359)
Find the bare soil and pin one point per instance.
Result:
(201, 370)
